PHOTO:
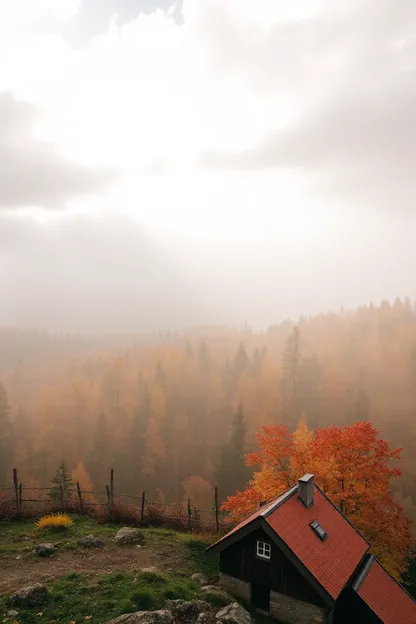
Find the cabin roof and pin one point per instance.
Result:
(385, 597)
(331, 561)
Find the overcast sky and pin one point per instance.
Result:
(170, 163)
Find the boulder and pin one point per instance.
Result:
(234, 614)
(45, 550)
(12, 613)
(206, 618)
(216, 590)
(150, 570)
(29, 596)
(200, 578)
(144, 617)
(187, 611)
(129, 535)
(91, 541)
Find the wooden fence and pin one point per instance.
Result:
(15, 500)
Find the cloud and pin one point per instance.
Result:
(352, 75)
(94, 17)
(32, 173)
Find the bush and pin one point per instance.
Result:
(144, 599)
(54, 522)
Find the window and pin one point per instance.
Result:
(264, 550)
(319, 530)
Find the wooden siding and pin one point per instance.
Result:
(240, 560)
(350, 608)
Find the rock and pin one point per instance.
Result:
(45, 550)
(150, 570)
(30, 596)
(206, 618)
(12, 613)
(129, 535)
(215, 590)
(187, 611)
(234, 614)
(144, 617)
(90, 541)
(200, 578)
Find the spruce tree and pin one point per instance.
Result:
(5, 437)
(232, 473)
(64, 478)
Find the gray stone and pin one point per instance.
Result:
(30, 596)
(144, 617)
(215, 590)
(200, 578)
(45, 550)
(187, 611)
(150, 570)
(206, 618)
(91, 541)
(12, 613)
(234, 614)
(129, 535)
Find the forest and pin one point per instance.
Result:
(174, 413)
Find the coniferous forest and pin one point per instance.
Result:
(175, 413)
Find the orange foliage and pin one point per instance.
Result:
(351, 465)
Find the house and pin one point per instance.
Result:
(300, 560)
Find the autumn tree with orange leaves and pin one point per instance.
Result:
(351, 465)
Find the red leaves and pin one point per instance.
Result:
(353, 467)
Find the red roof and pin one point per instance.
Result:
(333, 561)
(260, 511)
(389, 601)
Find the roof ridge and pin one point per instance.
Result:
(282, 498)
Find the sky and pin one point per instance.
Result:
(169, 163)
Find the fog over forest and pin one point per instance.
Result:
(207, 252)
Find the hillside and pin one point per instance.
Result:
(99, 582)
(160, 408)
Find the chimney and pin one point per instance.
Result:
(305, 489)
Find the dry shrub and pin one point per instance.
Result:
(54, 522)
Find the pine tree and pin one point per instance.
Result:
(64, 478)
(291, 365)
(100, 459)
(5, 436)
(232, 473)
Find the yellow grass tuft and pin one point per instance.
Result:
(54, 522)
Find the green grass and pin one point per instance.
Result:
(74, 598)
(21, 536)
(208, 564)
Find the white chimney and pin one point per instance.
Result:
(305, 489)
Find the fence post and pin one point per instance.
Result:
(16, 490)
(217, 511)
(111, 493)
(107, 489)
(142, 507)
(189, 515)
(20, 495)
(81, 505)
(62, 490)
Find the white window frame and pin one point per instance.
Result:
(264, 550)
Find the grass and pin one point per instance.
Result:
(78, 598)
(19, 536)
(75, 599)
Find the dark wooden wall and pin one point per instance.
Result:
(279, 574)
(350, 608)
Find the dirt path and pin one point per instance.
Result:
(15, 573)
